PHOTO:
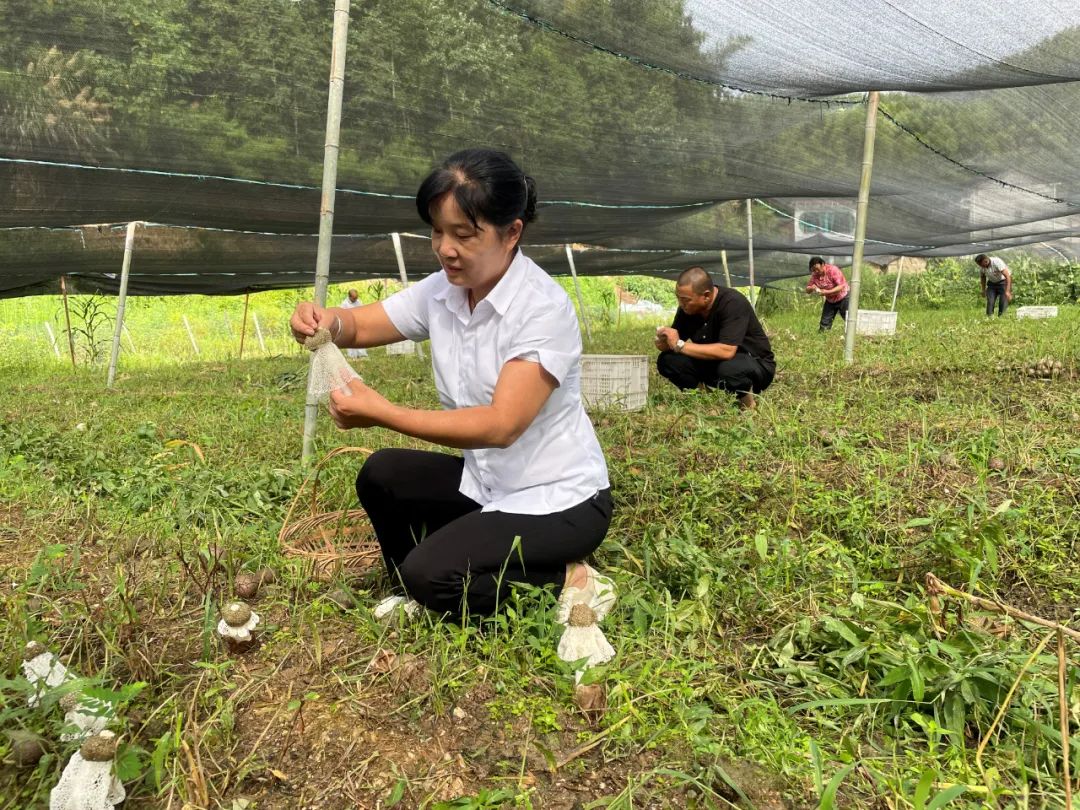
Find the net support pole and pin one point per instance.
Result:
(67, 319)
(121, 302)
(400, 256)
(727, 273)
(243, 325)
(577, 289)
(860, 226)
(52, 340)
(258, 331)
(896, 288)
(750, 249)
(190, 334)
(329, 189)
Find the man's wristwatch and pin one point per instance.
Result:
(679, 344)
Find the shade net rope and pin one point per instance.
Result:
(646, 126)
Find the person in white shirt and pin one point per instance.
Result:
(352, 300)
(995, 280)
(528, 499)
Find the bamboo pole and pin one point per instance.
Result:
(67, 319)
(243, 326)
(400, 256)
(125, 272)
(750, 249)
(577, 289)
(258, 331)
(190, 334)
(52, 340)
(860, 226)
(1063, 719)
(727, 274)
(896, 289)
(329, 190)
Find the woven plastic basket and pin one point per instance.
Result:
(340, 543)
(1036, 312)
(875, 322)
(617, 381)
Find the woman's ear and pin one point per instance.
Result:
(513, 232)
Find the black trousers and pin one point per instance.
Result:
(829, 311)
(447, 554)
(740, 374)
(995, 294)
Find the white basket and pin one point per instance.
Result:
(1036, 312)
(401, 347)
(619, 381)
(875, 322)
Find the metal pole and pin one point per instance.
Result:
(258, 331)
(52, 340)
(860, 226)
(67, 319)
(329, 190)
(129, 244)
(750, 249)
(727, 275)
(243, 326)
(896, 289)
(190, 334)
(577, 289)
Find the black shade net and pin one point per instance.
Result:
(646, 125)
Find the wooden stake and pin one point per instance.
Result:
(67, 319)
(121, 302)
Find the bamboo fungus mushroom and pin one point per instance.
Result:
(88, 782)
(237, 622)
(43, 670)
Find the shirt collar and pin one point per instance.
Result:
(508, 286)
(456, 299)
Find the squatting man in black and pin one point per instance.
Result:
(715, 341)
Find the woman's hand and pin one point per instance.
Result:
(307, 317)
(358, 406)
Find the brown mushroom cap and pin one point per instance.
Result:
(27, 748)
(33, 650)
(581, 615)
(320, 338)
(266, 576)
(99, 748)
(247, 585)
(70, 701)
(236, 614)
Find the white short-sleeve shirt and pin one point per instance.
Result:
(557, 462)
(996, 271)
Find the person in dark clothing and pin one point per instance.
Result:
(715, 341)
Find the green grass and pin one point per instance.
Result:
(773, 630)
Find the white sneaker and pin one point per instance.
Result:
(386, 610)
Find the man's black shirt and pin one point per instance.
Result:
(731, 321)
